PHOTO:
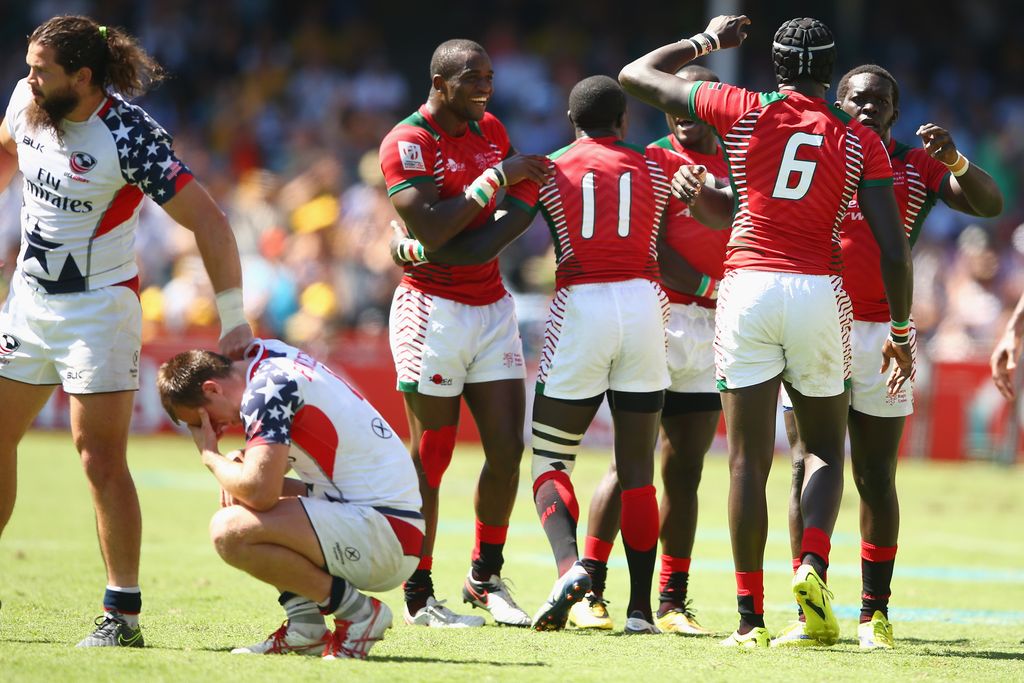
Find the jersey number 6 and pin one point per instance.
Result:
(790, 164)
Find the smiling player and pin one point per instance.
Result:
(453, 328)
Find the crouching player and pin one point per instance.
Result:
(350, 522)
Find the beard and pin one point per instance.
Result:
(51, 111)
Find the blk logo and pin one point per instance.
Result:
(82, 162)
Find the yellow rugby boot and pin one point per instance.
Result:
(876, 634)
(590, 613)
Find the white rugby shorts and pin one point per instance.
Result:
(691, 353)
(88, 342)
(868, 391)
(869, 394)
(440, 345)
(771, 323)
(360, 545)
(607, 335)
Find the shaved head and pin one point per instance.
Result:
(696, 72)
(448, 59)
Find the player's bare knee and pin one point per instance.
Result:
(683, 470)
(503, 459)
(101, 469)
(226, 532)
(436, 449)
(875, 482)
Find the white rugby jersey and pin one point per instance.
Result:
(341, 447)
(82, 197)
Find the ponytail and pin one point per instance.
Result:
(117, 61)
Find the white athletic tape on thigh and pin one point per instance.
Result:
(553, 450)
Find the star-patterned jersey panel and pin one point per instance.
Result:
(338, 444)
(83, 189)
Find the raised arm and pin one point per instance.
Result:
(652, 78)
(968, 189)
(194, 208)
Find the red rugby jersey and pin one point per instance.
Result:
(702, 247)
(417, 150)
(795, 163)
(603, 205)
(917, 180)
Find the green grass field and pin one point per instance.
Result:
(958, 593)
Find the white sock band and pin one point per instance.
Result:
(553, 449)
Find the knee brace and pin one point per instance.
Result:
(553, 450)
(436, 449)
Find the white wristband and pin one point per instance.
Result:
(960, 166)
(230, 310)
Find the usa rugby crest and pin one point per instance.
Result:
(82, 162)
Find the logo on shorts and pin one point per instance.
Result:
(346, 554)
(380, 428)
(411, 155)
(82, 162)
(8, 344)
(441, 381)
(513, 360)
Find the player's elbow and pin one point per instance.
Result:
(430, 242)
(263, 501)
(897, 262)
(629, 76)
(218, 220)
(259, 497)
(992, 208)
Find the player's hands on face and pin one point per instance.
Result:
(204, 435)
(688, 182)
(730, 29)
(234, 343)
(903, 368)
(1004, 364)
(226, 499)
(938, 143)
(521, 167)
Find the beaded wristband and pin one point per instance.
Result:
(486, 185)
(411, 251)
(708, 287)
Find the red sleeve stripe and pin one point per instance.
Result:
(182, 180)
(120, 210)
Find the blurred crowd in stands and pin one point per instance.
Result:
(279, 108)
